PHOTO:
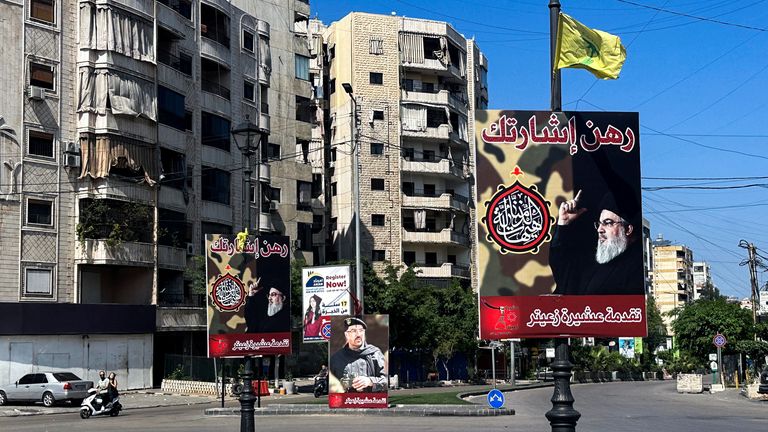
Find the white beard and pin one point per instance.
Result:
(610, 249)
(274, 308)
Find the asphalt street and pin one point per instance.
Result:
(642, 406)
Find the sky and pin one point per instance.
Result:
(696, 72)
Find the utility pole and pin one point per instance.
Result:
(752, 262)
(356, 185)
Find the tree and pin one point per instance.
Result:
(697, 323)
(657, 331)
(194, 275)
(710, 292)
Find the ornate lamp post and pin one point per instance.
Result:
(247, 137)
(356, 184)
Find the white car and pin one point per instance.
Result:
(48, 388)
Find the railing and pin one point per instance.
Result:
(215, 88)
(215, 35)
(182, 63)
(179, 299)
(436, 194)
(183, 7)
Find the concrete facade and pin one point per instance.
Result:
(413, 127)
(672, 278)
(130, 127)
(702, 278)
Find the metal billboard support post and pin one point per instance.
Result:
(562, 417)
(512, 362)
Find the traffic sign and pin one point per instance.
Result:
(713, 365)
(326, 331)
(712, 357)
(495, 399)
(719, 340)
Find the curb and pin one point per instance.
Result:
(396, 411)
(504, 389)
(26, 412)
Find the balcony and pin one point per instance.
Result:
(172, 258)
(440, 133)
(444, 270)
(173, 317)
(265, 223)
(264, 122)
(301, 7)
(114, 188)
(216, 88)
(132, 254)
(445, 201)
(182, 7)
(442, 97)
(456, 139)
(444, 236)
(178, 61)
(442, 166)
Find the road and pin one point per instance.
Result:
(645, 406)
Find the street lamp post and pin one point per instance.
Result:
(356, 184)
(247, 137)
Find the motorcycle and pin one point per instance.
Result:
(320, 386)
(94, 405)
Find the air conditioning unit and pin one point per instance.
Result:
(274, 205)
(190, 248)
(36, 93)
(71, 160)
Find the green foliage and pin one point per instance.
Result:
(681, 361)
(114, 221)
(178, 374)
(297, 292)
(756, 350)
(440, 320)
(657, 331)
(194, 274)
(697, 323)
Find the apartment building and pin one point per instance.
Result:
(401, 91)
(702, 278)
(672, 277)
(117, 160)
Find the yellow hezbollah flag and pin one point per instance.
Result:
(579, 46)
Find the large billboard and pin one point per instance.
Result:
(358, 358)
(559, 224)
(249, 295)
(326, 294)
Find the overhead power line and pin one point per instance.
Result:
(693, 16)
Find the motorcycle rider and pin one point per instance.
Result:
(102, 390)
(321, 378)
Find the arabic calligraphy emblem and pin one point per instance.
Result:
(228, 293)
(517, 219)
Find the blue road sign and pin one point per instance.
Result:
(719, 340)
(326, 331)
(495, 399)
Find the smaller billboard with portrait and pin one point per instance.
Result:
(627, 347)
(358, 359)
(326, 294)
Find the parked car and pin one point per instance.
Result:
(48, 388)
(763, 387)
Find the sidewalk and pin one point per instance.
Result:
(130, 400)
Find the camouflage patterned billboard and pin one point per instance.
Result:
(559, 224)
(248, 295)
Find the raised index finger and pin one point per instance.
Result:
(578, 195)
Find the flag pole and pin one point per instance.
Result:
(562, 417)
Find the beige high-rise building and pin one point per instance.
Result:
(402, 91)
(672, 277)
(116, 158)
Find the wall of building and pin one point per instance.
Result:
(129, 356)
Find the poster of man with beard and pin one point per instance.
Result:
(560, 248)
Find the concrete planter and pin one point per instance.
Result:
(290, 387)
(193, 387)
(690, 383)
(750, 391)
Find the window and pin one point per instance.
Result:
(377, 115)
(317, 223)
(376, 78)
(214, 78)
(41, 75)
(332, 86)
(170, 108)
(334, 224)
(377, 184)
(430, 258)
(436, 117)
(214, 131)
(409, 258)
(429, 190)
(408, 188)
(303, 195)
(317, 185)
(39, 212)
(408, 153)
(376, 46)
(215, 185)
(40, 144)
(377, 148)
(38, 282)
(270, 152)
(214, 24)
(174, 168)
(333, 189)
(42, 10)
(249, 91)
(302, 67)
(183, 7)
(264, 99)
(303, 109)
(302, 150)
(188, 120)
(273, 193)
(378, 255)
(304, 236)
(173, 228)
(247, 40)
(428, 155)
(377, 219)
(333, 155)
(452, 259)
